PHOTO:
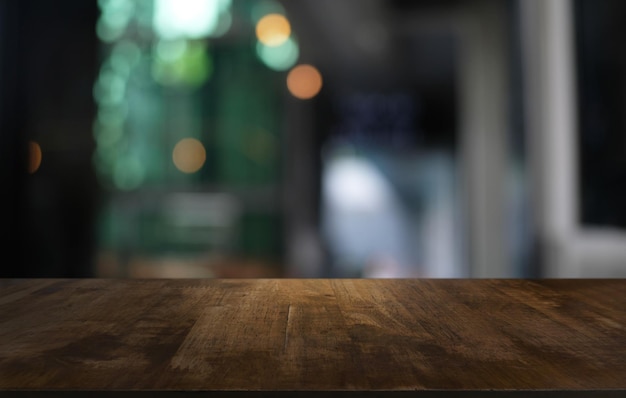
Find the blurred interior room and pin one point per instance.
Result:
(313, 139)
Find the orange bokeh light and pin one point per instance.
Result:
(304, 81)
(273, 30)
(34, 156)
(189, 155)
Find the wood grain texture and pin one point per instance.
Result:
(313, 335)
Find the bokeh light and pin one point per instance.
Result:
(125, 55)
(193, 19)
(279, 58)
(114, 18)
(110, 88)
(273, 30)
(129, 173)
(189, 155)
(34, 156)
(304, 81)
(171, 50)
(180, 63)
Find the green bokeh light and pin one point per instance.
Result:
(170, 50)
(114, 18)
(125, 55)
(110, 88)
(279, 58)
(190, 67)
(112, 115)
(128, 174)
(107, 136)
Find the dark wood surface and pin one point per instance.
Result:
(388, 335)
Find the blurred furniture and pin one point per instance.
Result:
(188, 234)
(232, 337)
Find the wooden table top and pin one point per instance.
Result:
(424, 336)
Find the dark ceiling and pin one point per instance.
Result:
(377, 43)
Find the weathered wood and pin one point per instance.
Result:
(412, 335)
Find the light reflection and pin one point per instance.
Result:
(34, 156)
(273, 30)
(304, 81)
(189, 155)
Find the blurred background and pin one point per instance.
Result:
(352, 138)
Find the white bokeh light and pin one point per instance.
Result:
(192, 19)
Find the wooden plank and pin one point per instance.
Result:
(423, 336)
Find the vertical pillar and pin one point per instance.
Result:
(484, 130)
(548, 46)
